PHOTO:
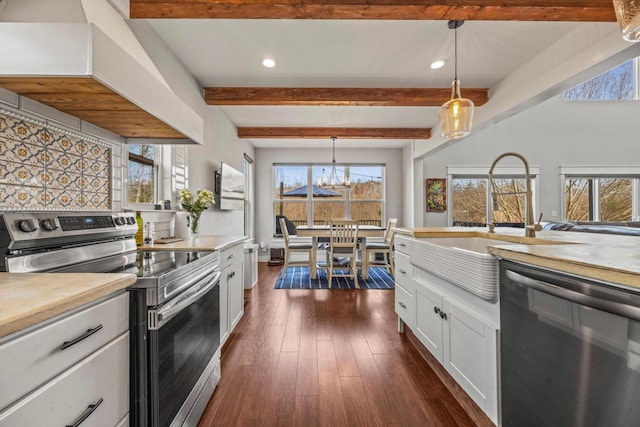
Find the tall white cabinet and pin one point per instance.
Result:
(231, 289)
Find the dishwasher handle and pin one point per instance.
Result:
(610, 306)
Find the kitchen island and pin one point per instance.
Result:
(606, 257)
(456, 325)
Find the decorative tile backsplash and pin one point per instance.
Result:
(47, 168)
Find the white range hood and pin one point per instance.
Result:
(89, 38)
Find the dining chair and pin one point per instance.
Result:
(290, 247)
(343, 245)
(384, 247)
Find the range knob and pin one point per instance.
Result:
(131, 220)
(49, 224)
(27, 225)
(119, 220)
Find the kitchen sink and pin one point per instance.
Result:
(465, 261)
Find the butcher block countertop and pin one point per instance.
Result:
(30, 298)
(604, 257)
(200, 243)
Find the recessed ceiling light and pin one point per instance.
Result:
(436, 65)
(268, 63)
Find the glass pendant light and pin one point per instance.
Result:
(628, 16)
(333, 181)
(456, 114)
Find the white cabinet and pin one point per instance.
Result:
(404, 284)
(69, 367)
(460, 338)
(231, 289)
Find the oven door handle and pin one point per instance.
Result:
(171, 309)
(614, 307)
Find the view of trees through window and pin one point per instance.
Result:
(141, 184)
(615, 84)
(300, 198)
(470, 201)
(598, 199)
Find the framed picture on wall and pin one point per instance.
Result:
(436, 194)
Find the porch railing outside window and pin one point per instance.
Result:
(298, 196)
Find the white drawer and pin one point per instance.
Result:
(62, 401)
(405, 306)
(36, 357)
(401, 243)
(404, 272)
(230, 255)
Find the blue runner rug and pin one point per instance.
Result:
(298, 278)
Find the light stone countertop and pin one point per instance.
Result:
(605, 257)
(30, 298)
(200, 243)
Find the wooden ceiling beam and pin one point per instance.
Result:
(389, 97)
(494, 10)
(328, 132)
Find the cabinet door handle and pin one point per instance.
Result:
(436, 310)
(401, 304)
(86, 335)
(90, 409)
(443, 315)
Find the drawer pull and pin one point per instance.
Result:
(86, 335)
(401, 304)
(231, 256)
(402, 271)
(90, 409)
(402, 244)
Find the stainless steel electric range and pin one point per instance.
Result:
(174, 315)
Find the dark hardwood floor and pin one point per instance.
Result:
(325, 358)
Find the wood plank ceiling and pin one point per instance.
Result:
(520, 10)
(93, 102)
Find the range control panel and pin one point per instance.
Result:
(85, 222)
(28, 228)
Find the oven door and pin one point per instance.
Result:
(184, 336)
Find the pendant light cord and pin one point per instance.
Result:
(455, 54)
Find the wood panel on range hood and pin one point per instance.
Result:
(91, 101)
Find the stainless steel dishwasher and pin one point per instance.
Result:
(569, 350)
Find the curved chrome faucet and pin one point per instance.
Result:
(530, 227)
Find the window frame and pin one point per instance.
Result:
(481, 172)
(309, 200)
(601, 172)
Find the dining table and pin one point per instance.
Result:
(317, 232)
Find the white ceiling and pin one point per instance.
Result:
(329, 53)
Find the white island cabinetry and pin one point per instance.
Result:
(457, 327)
(70, 368)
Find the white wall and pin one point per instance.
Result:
(552, 134)
(266, 157)
(221, 144)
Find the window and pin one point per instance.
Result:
(298, 197)
(616, 84)
(600, 198)
(475, 204)
(469, 201)
(142, 181)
